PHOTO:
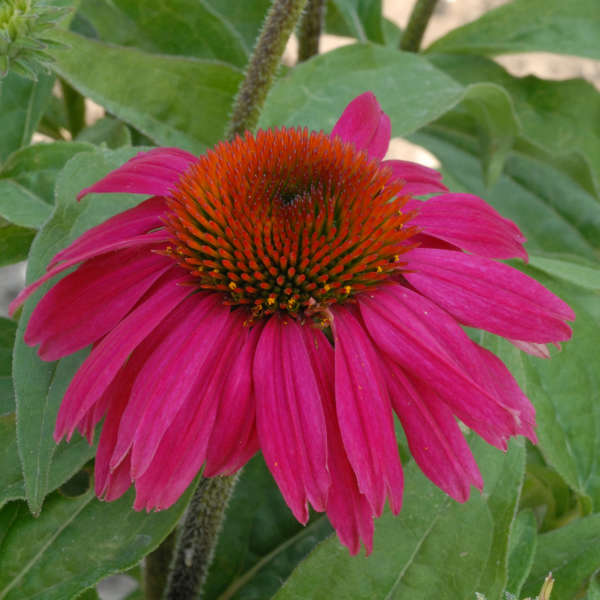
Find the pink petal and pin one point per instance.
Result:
(85, 305)
(434, 437)
(364, 413)
(133, 222)
(134, 242)
(183, 448)
(168, 377)
(488, 295)
(470, 223)
(289, 416)
(233, 439)
(348, 510)
(418, 179)
(539, 350)
(102, 365)
(118, 482)
(365, 125)
(154, 173)
(425, 341)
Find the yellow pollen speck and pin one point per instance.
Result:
(232, 285)
(270, 301)
(396, 258)
(347, 288)
(326, 287)
(380, 269)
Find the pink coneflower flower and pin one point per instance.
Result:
(287, 292)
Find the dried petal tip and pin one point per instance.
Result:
(24, 29)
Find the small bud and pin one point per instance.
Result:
(24, 29)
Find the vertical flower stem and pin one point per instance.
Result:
(156, 569)
(417, 23)
(197, 537)
(264, 62)
(309, 30)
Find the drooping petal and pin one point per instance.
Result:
(102, 365)
(131, 223)
(433, 436)
(469, 223)
(134, 242)
(418, 179)
(88, 303)
(183, 448)
(168, 377)
(154, 173)
(539, 350)
(488, 295)
(425, 341)
(233, 438)
(364, 413)
(289, 416)
(347, 508)
(365, 125)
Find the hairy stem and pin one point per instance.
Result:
(417, 23)
(197, 538)
(264, 62)
(309, 30)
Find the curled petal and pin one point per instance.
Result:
(153, 173)
(289, 416)
(470, 223)
(488, 295)
(539, 350)
(418, 179)
(365, 125)
(364, 413)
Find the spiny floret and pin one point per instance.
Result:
(288, 220)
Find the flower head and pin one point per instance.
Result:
(288, 292)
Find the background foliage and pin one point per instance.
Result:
(166, 73)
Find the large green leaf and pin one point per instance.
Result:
(530, 26)
(22, 103)
(261, 541)
(523, 544)
(176, 101)
(35, 167)
(571, 553)
(183, 27)
(75, 542)
(20, 206)
(14, 242)
(554, 116)
(360, 19)
(39, 386)
(436, 548)
(565, 268)
(530, 192)
(409, 88)
(566, 394)
(8, 330)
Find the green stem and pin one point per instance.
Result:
(156, 569)
(309, 30)
(75, 108)
(264, 62)
(417, 23)
(197, 538)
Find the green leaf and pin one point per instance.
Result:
(246, 17)
(109, 131)
(572, 553)
(530, 26)
(411, 91)
(566, 393)
(181, 27)
(175, 101)
(435, 548)
(593, 589)
(261, 541)
(14, 242)
(554, 116)
(530, 192)
(8, 330)
(20, 206)
(360, 19)
(584, 276)
(75, 542)
(40, 386)
(22, 103)
(523, 544)
(35, 167)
